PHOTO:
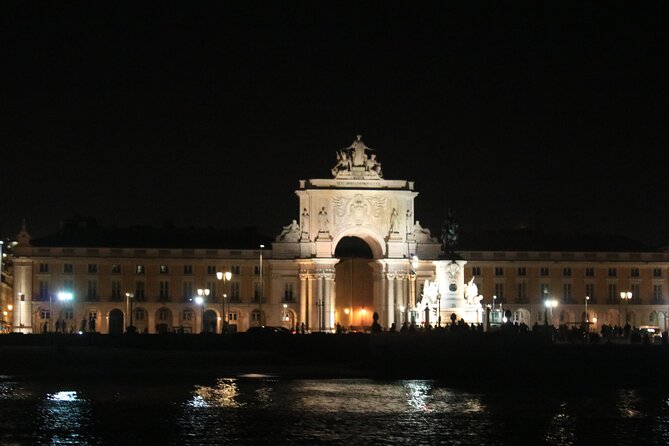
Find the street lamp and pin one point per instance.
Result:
(492, 312)
(549, 304)
(587, 319)
(225, 277)
(626, 296)
(260, 290)
(129, 298)
(66, 297)
(201, 294)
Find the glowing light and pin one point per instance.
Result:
(66, 395)
(346, 311)
(65, 296)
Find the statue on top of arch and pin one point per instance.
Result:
(354, 157)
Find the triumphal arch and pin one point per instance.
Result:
(412, 278)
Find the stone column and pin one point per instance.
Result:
(329, 301)
(401, 300)
(390, 300)
(310, 299)
(412, 294)
(320, 297)
(303, 297)
(23, 291)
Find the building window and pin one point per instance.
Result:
(116, 290)
(657, 293)
(257, 289)
(188, 270)
(140, 290)
(43, 267)
(476, 271)
(187, 315)
(188, 290)
(566, 272)
(212, 288)
(211, 269)
(543, 271)
(116, 268)
(163, 314)
(139, 315)
(636, 294)
(233, 317)
(613, 272)
(236, 269)
(68, 285)
(613, 293)
(657, 272)
(543, 289)
(590, 272)
(288, 292)
(522, 271)
(92, 290)
(566, 292)
(68, 314)
(43, 290)
(634, 272)
(139, 269)
(499, 292)
(590, 292)
(92, 268)
(68, 268)
(45, 314)
(164, 290)
(499, 271)
(522, 292)
(234, 291)
(255, 316)
(164, 269)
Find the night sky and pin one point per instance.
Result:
(539, 114)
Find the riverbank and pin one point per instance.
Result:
(458, 358)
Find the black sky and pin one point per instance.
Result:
(553, 114)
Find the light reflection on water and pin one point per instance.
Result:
(310, 412)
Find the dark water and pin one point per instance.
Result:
(251, 411)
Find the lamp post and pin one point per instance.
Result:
(439, 310)
(64, 297)
(411, 308)
(626, 296)
(50, 315)
(201, 294)
(549, 304)
(129, 298)
(225, 277)
(260, 290)
(492, 312)
(587, 319)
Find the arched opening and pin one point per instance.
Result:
(210, 321)
(115, 322)
(354, 286)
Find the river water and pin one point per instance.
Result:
(263, 410)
